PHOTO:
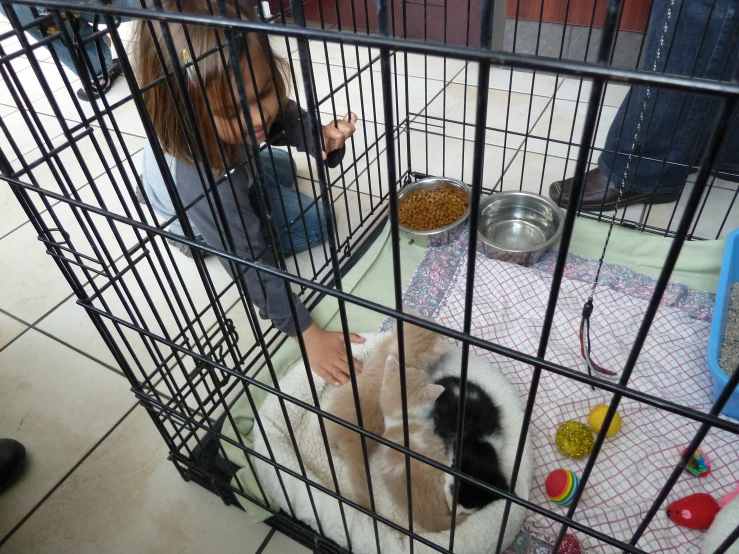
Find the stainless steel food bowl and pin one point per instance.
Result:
(518, 227)
(443, 235)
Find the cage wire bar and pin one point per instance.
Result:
(185, 349)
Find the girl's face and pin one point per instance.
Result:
(265, 95)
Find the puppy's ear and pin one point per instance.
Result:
(392, 363)
(391, 375)
(431, 392)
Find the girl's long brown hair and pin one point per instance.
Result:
(165, 103)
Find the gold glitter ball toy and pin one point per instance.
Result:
(574, 439)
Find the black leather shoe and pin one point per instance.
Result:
(12, 460)
(599, 194)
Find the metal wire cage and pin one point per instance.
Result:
(194, 343)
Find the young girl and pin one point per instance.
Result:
(299, 219)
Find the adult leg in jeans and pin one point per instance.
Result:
(299, 218)
(86, 28)
(700, 41)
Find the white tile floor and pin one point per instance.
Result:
(98, 479)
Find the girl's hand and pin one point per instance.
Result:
(327, 355)
(336, 133)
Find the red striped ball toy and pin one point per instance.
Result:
(561, 485)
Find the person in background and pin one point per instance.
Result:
(701, 41)
(12, 461)
(105, 67)
(231, 216)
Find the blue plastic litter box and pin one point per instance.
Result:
(729, 276)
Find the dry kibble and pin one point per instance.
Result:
(425, 210)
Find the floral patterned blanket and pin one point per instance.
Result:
(433, 277)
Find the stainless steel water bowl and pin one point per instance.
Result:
(518, 227)
(443, 235)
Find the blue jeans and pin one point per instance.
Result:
(25, 15)
(298, 218)
(676, 125)
(306, 226)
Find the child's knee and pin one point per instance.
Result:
(279, 167)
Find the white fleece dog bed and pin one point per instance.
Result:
(725, 522)
(475, 535)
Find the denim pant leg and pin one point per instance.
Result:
(87, 28)
(300, 219)
(699, 42)
(25, 15)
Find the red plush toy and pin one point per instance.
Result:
(696, 511)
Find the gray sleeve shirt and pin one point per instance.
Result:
(267, 292)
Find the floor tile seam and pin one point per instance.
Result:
(66, 476)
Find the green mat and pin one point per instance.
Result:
(698, 266)
(371, 278)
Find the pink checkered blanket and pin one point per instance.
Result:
(509, 306)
